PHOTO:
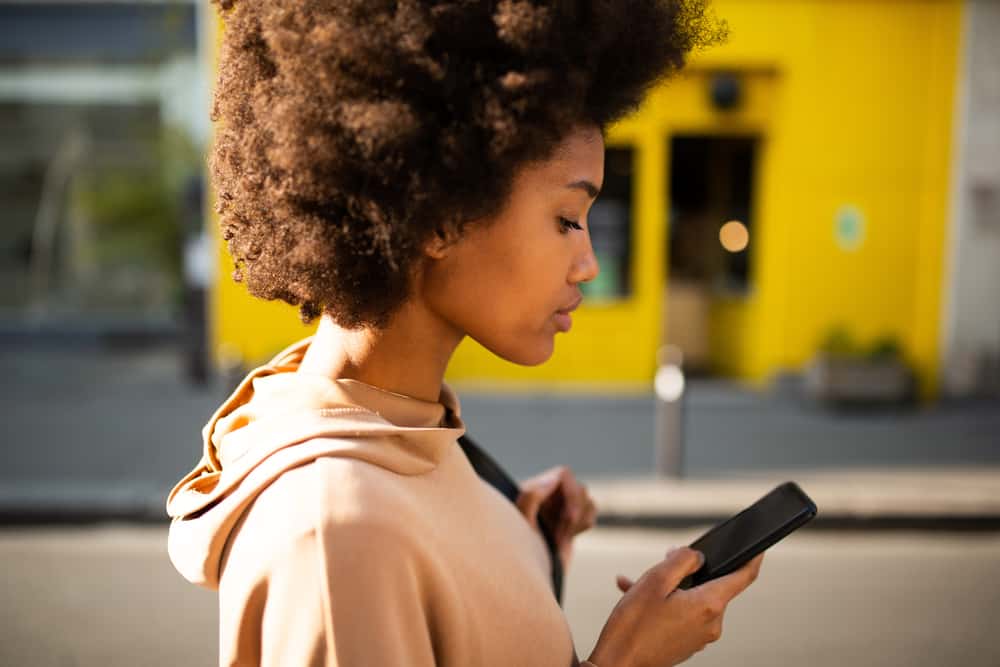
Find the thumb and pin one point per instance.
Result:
(678, 564)
(531, 498)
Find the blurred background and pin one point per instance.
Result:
(800, 247)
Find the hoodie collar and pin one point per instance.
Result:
(277, 419)
(275, 407)
(276, 391)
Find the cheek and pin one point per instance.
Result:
(499, 292)
(508, 274)
(514, 319)
(502, 290)
(526, 278)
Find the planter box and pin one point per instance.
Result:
(850, 380)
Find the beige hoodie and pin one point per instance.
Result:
(343, 525)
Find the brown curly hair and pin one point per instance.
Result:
(351, 131)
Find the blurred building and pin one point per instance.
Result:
(971, 319)
(102, 129)
(827, 181)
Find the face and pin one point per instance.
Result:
(511, 282)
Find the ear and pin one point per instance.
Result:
(436, 247)
(439, 243)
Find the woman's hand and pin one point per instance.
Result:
(656, 625)
(562, 502)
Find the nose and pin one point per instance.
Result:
(585, 265)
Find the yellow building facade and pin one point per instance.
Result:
(849, 106)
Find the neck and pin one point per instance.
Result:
(407, 357)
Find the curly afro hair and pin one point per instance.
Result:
(352, 131)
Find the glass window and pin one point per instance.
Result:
(610, 221)
(93, 215)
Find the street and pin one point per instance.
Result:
(108, 596)
(826, 599)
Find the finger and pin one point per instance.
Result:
(533, 494)
(574, 500)
(624, 583)
(553, 511)
(730, 585)
(589, 518)
(586, 515)
(528, 503)
(548, 479)
(678, 564)
(551, 479)
(715, 631)
(566, 505)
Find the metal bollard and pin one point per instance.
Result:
(668, 385)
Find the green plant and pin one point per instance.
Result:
(838, 342)
(884, 349)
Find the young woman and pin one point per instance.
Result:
(412, 173)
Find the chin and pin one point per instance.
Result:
(521, 352)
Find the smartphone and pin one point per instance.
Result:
(734, 542)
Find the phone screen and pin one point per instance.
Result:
(737, 540)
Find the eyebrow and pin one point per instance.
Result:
(586, 186)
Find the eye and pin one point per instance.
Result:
(568, 224)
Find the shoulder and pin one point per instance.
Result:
(335, 496)
(325, 510)
(357, 497)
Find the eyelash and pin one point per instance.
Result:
(568, 224)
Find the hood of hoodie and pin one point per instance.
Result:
(277, 419)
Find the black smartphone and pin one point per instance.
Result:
(734, 542)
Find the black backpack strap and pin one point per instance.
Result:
(497, 477)
(490, 471)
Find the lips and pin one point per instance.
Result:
(562, 316)
(571, 307)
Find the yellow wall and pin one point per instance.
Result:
(861, 115)
(853, 102)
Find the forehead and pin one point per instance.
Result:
(578, 157)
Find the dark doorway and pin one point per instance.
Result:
(710, 240)
(711, 183)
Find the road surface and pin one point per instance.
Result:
(108, 596)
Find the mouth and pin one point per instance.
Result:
(562, 316)
(571, 307)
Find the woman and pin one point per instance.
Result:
(412, 173)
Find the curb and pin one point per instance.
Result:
(914, 499)
(79, 504)
(822, 522)
(932, 500)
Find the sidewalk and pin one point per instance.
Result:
(955, 498)
(919, 499)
